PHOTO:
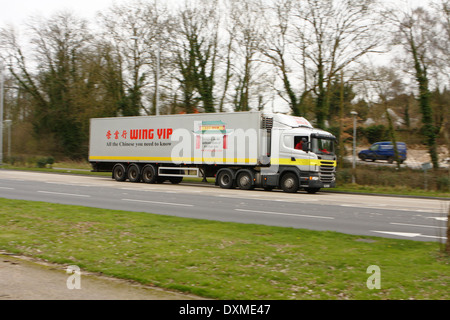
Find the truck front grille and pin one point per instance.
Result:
(327, 171)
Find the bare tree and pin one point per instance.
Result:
(441, 58)
(276, 45)
(196, 53)
(414, 30)
(385, 83)
(137, 31)
(63, 84)
(246, 17)
(331, 35)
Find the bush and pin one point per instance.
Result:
(383, 176)
(443, 183)
(45, 162)
(15, 160)
(344, 176)
(376, 133)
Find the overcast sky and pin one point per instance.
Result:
(18, 11)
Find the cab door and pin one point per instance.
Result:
(293, 154)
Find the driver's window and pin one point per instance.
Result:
(299, 141)
(374, 147)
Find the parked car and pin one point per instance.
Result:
(384, 151)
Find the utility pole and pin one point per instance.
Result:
(354, 114)
(2, 80)
(158, 71)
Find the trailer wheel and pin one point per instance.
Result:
(134, 173)
(119, 172)
(225, 180)
(244, 181)
(149, 174)
(289, 183)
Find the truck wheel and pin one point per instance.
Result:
(244, 181)
(226, 180)
(119, 172)
(149, 174)
(312, 190)
(289, 183)
(134, 173)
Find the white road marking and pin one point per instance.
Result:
(65, 194)
(6, 188)
(438, 218)
(285, 214)
(385, 207)
(408, 235)
(163, 203)
(416, 225)
(68, 184)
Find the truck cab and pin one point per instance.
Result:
(305, 154)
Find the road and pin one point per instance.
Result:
(393, 217)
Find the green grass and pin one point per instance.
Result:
(223, 260)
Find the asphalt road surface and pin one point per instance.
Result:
(383, 216)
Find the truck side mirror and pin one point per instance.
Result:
(306, 146)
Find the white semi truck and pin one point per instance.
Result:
(245, 150)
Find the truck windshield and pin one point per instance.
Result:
(323, 146)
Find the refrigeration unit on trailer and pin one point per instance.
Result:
(245, 150)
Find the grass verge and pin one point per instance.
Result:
(223, 260)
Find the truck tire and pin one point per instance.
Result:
(119, 172)
(134, 173)
(149, 174)
(225, 180)
(244, 181)
(289, 183)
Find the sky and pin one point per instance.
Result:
(16, 12)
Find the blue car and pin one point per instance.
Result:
(384, 151)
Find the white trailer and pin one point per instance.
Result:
(245, 150)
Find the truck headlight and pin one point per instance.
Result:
(314, 178)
